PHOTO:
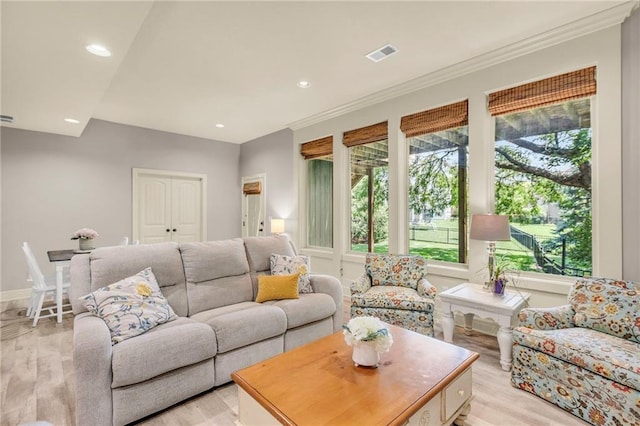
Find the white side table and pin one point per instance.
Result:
(471, 300)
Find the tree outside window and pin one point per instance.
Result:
(369, 164)
(543, 182)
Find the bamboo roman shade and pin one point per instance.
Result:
(252, 188)
(436, 119)
(317, 148)
(364, 135)
(571, 85)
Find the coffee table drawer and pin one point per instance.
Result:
(456, 394)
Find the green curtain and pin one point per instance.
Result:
(320, 202)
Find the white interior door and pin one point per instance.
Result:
(186, 210)
(154, 210)
(168, 206)
(253, 206)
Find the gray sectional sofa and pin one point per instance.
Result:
(211, 286)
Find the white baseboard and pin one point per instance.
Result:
(23, 293)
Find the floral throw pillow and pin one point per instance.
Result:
(131, 306)
(288, 265)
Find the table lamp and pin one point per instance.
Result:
(277, 226)
(490, 228)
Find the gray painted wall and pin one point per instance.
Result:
(631, 146)
(273, 155)
(53, 185)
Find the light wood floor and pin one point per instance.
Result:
(37, 382)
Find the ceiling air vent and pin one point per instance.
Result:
(381, 53)
(6, 118)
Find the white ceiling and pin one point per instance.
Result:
(184, 66)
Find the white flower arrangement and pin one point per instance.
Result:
(85, 234)
(368, 329)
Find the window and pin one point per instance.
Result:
(319, 160)
(438, 154)
(369, 170)
(543, 173)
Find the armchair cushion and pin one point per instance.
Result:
(392, 297)
(608, 306)
(608, 356)
(395, 270)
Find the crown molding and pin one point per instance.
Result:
(596, 22)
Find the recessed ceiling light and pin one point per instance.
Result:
(72, 120)
(303, 84)
(97, 49)
(219, 125)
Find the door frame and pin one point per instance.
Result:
(137, 173)
(260, 177)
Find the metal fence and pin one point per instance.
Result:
(543, 261)
(530, 242)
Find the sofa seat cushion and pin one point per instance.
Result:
(392, 297)
(244, 323)
(603, 354)
(167, 347)
(308, 308)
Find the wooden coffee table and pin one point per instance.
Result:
(421, 380)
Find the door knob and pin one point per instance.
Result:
(168, 230)
(175, 230)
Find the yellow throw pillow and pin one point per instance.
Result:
(276, 287)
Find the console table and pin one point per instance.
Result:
(471, 299)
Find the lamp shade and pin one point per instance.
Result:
(490, 227)
(277, 226)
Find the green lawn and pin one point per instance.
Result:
(442, 244)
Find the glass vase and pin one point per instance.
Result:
(498, 286)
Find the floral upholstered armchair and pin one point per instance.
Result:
(394, 288)
(584, 356)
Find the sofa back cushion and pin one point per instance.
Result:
(109, 265)
(217, 274)
(395, 270)
(608, 306)
(259, 251)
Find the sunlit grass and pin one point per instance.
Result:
(441, 243)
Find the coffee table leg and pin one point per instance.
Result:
(462, 417)
(505, 340)
(447, 326)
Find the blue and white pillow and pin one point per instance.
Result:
(131, 306)
(288, 265)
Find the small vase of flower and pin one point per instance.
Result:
(499, 280)
(85, 238)
(369, 337)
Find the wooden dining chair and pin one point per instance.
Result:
(41, 287)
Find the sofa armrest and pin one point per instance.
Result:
(426, 289)
(361, 285)
(330, 285)
(92, 353)
(80, 274)
(554, 318)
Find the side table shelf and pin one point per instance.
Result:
(471, 300)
